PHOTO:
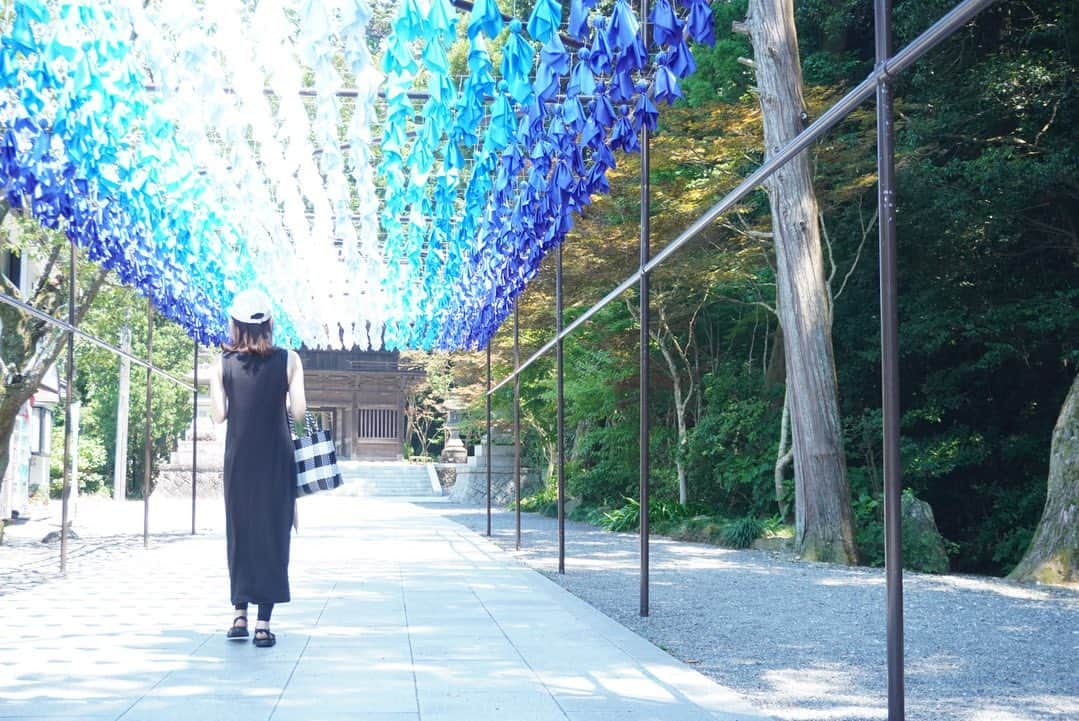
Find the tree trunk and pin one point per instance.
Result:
(823, 528)
(1053, 556)
(576, 453)
(680, 404)
(784, 456)
(776, 372)
(668, 345)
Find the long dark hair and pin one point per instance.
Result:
(254, 338)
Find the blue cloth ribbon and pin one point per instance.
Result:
(485, 18)
(545, 19)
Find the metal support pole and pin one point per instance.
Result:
(560, 414)
(517, 420)
(69, 472)
(889, 337)
(195, 438)
(146, 441)
(644, 430)
(490, 440)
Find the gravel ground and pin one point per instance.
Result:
(806, 641)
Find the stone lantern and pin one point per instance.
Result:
(454, 451)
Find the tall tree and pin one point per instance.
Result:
(823, 528)
(29, 345)
(680, 362)
(1053, 556)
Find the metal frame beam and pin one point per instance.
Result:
(490, 441)
(69, 470)
(645, 428)
(71, 327)
(147, 445)
(517, 422)
(560, 413)
(194, 436)
(889, 338)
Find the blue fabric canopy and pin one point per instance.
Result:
(421, 236)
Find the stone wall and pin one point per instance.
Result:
(470, 487)
(174, 476)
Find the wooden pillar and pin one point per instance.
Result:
(344, 419)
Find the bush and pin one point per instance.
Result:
(701, 528)
(663, 516)
(544, 501)
(608, 466)
(742, 532)
(623, 518)
(731, 451)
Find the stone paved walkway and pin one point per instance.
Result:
(397, 614)
(805, 641)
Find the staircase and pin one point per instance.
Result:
(387, 479)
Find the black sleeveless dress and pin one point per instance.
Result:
(260, 476)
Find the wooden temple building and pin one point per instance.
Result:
(360, 395)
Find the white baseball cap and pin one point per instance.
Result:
(250, 306)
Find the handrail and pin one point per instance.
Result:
(64, 325)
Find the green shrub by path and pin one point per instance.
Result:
(544, 501)
(922, 551)
(742, 532)
(662, 514)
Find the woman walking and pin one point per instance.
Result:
(250, 387)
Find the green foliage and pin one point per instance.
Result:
(742, 532)
(624, 518)
(425, 412)
(662, 515)
(988, 272)
(543, 501)
(689, 522)
(988, 283)
(97, 386)
(732, 449)
(719, 75)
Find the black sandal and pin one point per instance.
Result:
(266, 640)
(237, 632)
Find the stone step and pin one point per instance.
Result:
(385, 479)
(358, 489)
(386, 486)
(348, 490)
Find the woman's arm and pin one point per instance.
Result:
(296, 397)
(218, 403)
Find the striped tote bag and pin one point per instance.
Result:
(316, 461)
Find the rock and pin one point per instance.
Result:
(923, 546)
(774, 543)
(54, 536)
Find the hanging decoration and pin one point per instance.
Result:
(200, 149)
